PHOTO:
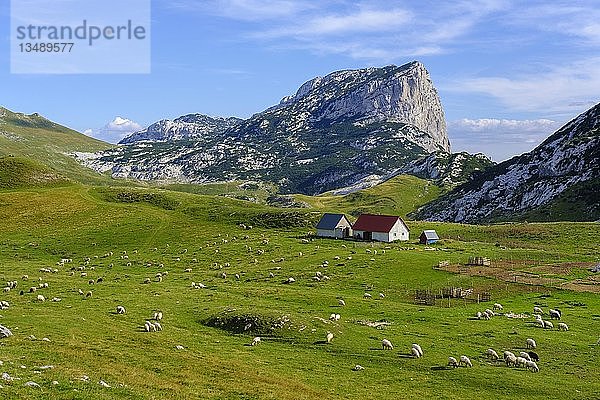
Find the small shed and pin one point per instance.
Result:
(334, 226)
(381, 228)
(428, 237)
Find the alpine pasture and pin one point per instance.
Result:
(218, 270)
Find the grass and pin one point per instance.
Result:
(156, 227)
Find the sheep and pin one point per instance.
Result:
(464, 360)
(525, 355)
(341, 302)
(147, 281)
(41, 298)
(91, 282)
(452, 362)
(548, 325)
(381, 295)
(89, 294)
(367, 295)
(562, 326)
(507, 354)
(415, 353)
(358, 367)
(387, 345)
(120, 310)
(531, 365)
(533, 356)
(32, 289)
(491, 353)
(531, 343)
(555, 314)
(520, 361)
(329, 337)
(478, 315)
(158, 316)
(80, 292)
(237, 276)
(497, 306)
(158, 326)
(148, 326)
(255, 341)
(510, 360)
(416, 346)
(489, 312)
(538, 310)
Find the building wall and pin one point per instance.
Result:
(398, 232)
(325, 233)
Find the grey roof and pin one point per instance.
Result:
(431, 235)
(330, 221)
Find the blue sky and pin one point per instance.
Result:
(508, 72)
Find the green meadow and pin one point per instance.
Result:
(126, 236)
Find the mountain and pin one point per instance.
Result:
(559, 179)
(187, 127)
(35, 144)
(333, 132)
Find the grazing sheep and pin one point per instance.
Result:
(491, 353)
(532, 366)
(89, 294)
(158, 316)
(452, 362)
(387, 345)
(521, 361)
(525, 355)
(497, 306)
(147, 280)
(255, 341)
(538, 310)
(555, 314)
(120, 310)
(157, 326)
(341, 302)
(329, 337)
(562, 326)
(478, 315)
(415, 353)
(511, 360)
(32, 289)
(548, 325)
(416, 346)
(464, 360)
(148, 326)
(508, 354)
(531, 343)
(367, 295)
(358, 367)
(271, 275)
(533, 356)
(381, 295)
(41, 298)
(290, 280)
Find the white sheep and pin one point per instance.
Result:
(520, 361)
(491, 353)
(452, 362)
(416, 346)
(508, 354)
(381, 295)
(511, 360)
(329, 337)
(120, 310)
(148, 326)
(255, 341)
(341, 302)
(157, 326)
(387, 345)
(538, 310)
(531, 343)
(548, 325)
(525, 355)
(367, 295)
(531, 365)
(415, 353)
(498, 306)
(158, 316)
(41, 298)
(464, 360)
(562, 326)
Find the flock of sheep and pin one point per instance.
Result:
(524, 359)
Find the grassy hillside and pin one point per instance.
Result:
(40, 140)
(18, 173)
(399, 195)
(125, 236)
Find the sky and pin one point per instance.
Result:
(509, 73)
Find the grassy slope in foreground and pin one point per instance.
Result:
(38, 139)
(17, 173)
(156, 227)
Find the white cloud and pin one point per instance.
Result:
(499, 138)
(561, 90)
(115, 130)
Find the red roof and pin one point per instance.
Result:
(376, 223)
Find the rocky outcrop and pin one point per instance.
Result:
(509, 190)
(333, 132)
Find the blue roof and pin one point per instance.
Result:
(431, 235)
(330, 221)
